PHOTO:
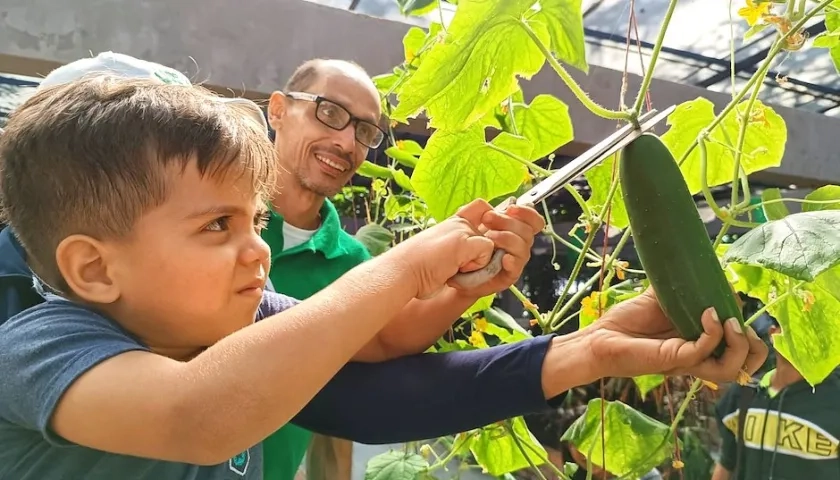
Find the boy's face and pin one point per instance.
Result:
(193, 269)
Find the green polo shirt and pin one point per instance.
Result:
(300, 272)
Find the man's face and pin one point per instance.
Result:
(320, 158)
(194, 268)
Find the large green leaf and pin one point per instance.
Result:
(546, 123)
(497, 452)
(376, 238)
(828, 193)
(474, 67)
(634, 443)
(395, 465)
(764, 143)
(458, 167)
(801, 246)
(600, 178)
(565, 25)
(809, 316)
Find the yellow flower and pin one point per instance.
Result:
(400, 144)
(589, 305)
(678, 464)
(753, 12)
(480, 325)
(710, 385)
(477, 339)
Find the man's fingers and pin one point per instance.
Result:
(697, 351)
(474, 211)
(727, 367)
(477, 253)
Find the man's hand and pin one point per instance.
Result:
(438, 253)
(514, 231)
(636, 338)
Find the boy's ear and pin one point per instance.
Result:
(82, 261)
(276, 110)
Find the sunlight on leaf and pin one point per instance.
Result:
(401, 179)
(546, 123)
(496, 451)
(565, 25)
(484, 51)
(404, 206)
(481, 304)
(764, 144)
(802, 245)
(458, 167)
(809, 316)
(646, 383)
(776, 210)
(634, 442)
(395, 465)
(599, 179)
(823, 194)
(830, 39)
(412, 43)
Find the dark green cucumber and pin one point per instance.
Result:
(671, 240)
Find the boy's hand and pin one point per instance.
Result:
(438, 253)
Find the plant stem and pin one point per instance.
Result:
(539, 456)
(660, 40)
(590, 237)
(571, 83)
(793, 200)
(575, 298)
(449, 456)
(707, 193)
(533, 166)
(742, 136)
(773, 302)
(572, 246)
(519, 446)
(579, 199)
(532, 309)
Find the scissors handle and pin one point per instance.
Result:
(580, 165)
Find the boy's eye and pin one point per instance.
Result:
(218, 225)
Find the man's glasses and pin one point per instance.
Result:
(337, 117)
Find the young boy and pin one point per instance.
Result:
(139, 206)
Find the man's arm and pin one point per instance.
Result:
(431, 395)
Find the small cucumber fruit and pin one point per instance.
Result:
(671, 240)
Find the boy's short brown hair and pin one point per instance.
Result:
(89, 157)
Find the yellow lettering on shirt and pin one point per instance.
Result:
(784, 433)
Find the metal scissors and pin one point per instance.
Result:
(559, 179)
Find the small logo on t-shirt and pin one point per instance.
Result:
(239, 463)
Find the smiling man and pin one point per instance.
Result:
(326, 120)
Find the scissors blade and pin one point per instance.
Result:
(592, 157)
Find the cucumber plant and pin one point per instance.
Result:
(464, 77)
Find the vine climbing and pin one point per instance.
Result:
(489, 142)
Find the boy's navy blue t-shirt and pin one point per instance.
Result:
(44, 349)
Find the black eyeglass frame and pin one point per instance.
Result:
(318, 100)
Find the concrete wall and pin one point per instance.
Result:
(250, 48)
